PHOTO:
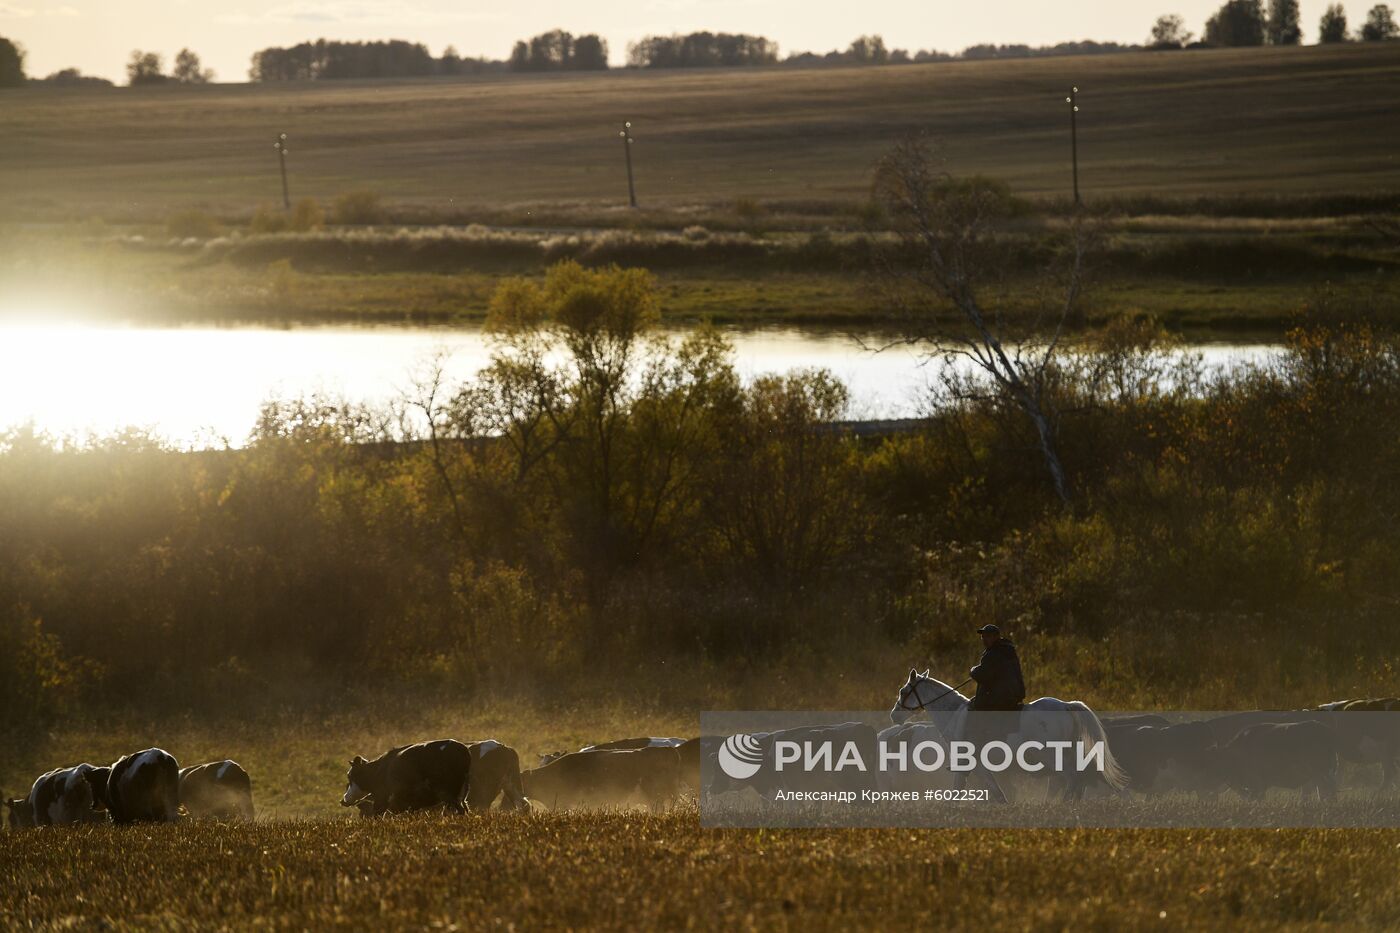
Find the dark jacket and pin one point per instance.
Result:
(998, 676)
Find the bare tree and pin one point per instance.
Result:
(949, 258)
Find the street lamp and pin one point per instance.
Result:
(626, 135)
(281, 146)
(1072, 100)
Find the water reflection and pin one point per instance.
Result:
(200, 386)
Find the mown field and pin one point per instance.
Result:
(1218, 123)
(634, 871)
(1235, 186)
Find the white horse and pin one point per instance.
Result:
(1044, 720)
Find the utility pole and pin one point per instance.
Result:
(281, 146)
(1072, 100)
(626, 135)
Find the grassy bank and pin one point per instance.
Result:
(1212, 277)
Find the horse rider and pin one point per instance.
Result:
(998, 675)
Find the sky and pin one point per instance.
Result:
(98, 36)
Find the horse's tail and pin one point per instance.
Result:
(1089, 731)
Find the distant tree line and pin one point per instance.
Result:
(702, 50)
(1242, 23)
(558, 50)
(328, 60)
(148, 68)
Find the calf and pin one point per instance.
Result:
(60, 797)
(606, 777)
(144, 787)
(411, 777)
(1296, 754)
(219, 790)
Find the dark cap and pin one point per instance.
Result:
(989, 629)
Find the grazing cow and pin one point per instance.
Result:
(689, 753)
(60, 797)
(620, 745)
(411, 777)
(1295, 754)
(1160, 757)
(219, 790)
(1370, 739)
(495, 772)
(144, 787)
(606, 777)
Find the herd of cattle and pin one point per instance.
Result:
(150, 786)
(1249, 752)
(143, 787)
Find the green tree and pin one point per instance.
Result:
(590, 54)
(1169, 32)
(188, 69)
(11, 63)
(868, 50)
(1237, 23)
(145, 68)
(1332, 27)
(1380, 24)
(605, 419)
(1283, 28)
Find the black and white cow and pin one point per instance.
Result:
(60, 797)
(144, 787)
(411, 777)
(607, 778)
(219, 790)
(495, 773)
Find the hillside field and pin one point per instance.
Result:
(1264, 122)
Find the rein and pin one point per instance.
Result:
(914, 690)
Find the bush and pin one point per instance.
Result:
(305, 216)
(37, 680)
(193, 224)
(358, 207)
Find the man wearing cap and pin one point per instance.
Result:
(998, 674)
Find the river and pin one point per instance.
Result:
(198, 386)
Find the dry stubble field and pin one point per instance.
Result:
(307, 865)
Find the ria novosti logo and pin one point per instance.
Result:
(741, 756)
